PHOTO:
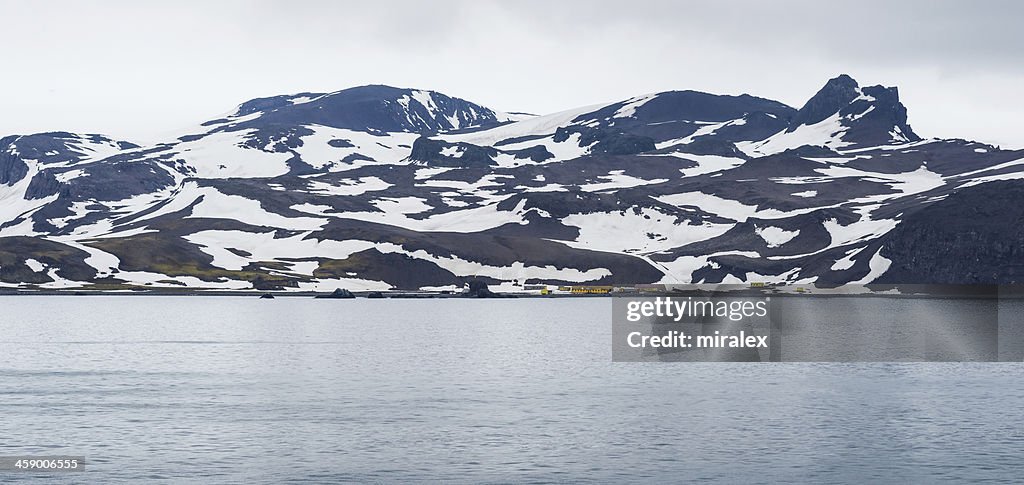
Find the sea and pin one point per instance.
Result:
(234, 389)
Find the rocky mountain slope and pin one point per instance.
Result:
(377, 187)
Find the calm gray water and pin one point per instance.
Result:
(239, 390)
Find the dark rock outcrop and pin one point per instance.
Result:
(337, 294)
(478, 289)
(974, 236)
(880, 119)
(606, 142)
(429, 151)
(12, 168)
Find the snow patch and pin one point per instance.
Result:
(222, 155)
(827, 133)
(265, 247)
(646, 231)
(35, 265)
(387, 149)
(775, 236)
(730, 209)
(628, 110)
(347, 186)
(617, 179)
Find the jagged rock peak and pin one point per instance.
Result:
(837, 93)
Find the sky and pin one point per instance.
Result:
(142, 71)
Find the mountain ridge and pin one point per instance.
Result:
(377, 187)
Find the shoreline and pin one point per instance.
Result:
(980, 292)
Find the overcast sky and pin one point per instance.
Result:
(143, 70)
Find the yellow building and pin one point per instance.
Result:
(591, 290)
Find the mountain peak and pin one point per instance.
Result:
(842, 80)
(837, 93)
(864, 116)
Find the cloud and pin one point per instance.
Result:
(139, 68)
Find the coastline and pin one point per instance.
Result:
(888, 291)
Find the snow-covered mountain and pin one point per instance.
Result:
(378, 187)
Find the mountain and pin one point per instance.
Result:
(365, 108)
(377, 187)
